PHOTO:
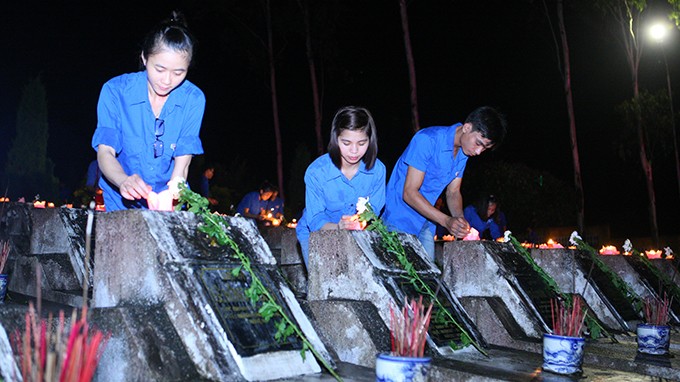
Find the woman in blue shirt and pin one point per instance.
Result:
(486, 217)
(148, 122)
(335, 181)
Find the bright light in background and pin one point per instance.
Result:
(659, 31)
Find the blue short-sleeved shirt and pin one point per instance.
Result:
(430, 151)
(329, 194)
(126, 122)
(252, 202)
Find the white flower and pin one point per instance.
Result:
(574, 236)
(627, 246)
(668, 251)
(506, 236)
(173, 186)
(361, 205)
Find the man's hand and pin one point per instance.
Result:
(458, 226)
(134, 187)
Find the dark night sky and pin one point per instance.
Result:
(467, 53)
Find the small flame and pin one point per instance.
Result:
(39, 204)
(4, 199)
(609, 250)
(550, 244)
(653, 254)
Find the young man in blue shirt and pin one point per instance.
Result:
(435, 160)
(254, 203)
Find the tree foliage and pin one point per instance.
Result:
(656, 122)
(28, 170)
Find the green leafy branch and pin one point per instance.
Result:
(392, 245)
(215, 227)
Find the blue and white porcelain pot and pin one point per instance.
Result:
(562, 354)
(390, 368)
(653, 339)
(3, 287)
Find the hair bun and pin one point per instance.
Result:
(177, 19)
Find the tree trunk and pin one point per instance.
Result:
(572, 120)
(275, 106)
(673, 126)
(646, 162)
(411, 67)
(312, 75)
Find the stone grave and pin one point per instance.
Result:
(656, 278)
(507, 299)
(351, 265)
(639, 285)
(571, 270)
(160, 261)
(52, 239)
(284, 246)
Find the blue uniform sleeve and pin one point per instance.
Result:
(108, 122)
(247, 202)
(419, 152)
(315, 206)
(377, 197)
(473, 218)
(494, 229)
(189, 142)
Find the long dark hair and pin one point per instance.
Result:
(354, 118)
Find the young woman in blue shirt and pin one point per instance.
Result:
(335, 181)
(148, 122)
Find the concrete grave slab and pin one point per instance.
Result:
(639, 285)
(284, 246)
(655, 278)
(349, 326)
(487, 278)
(150, 258)
(54, 240)
(352, 265)
(571, 269)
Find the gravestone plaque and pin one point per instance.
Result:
(246, 329)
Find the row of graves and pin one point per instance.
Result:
(179, 303)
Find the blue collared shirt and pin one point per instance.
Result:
(126, 122)
(252, 202)
(430, 151)
(329, 194)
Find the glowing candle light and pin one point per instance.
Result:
(609, 250)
